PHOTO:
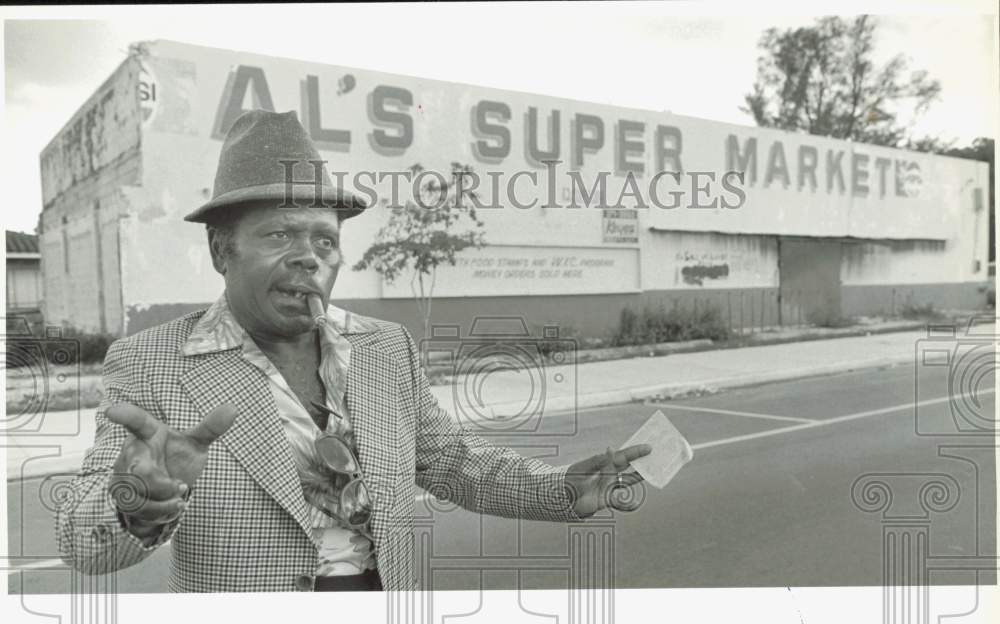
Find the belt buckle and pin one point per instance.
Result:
(305, 582)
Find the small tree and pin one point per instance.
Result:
(423, 234)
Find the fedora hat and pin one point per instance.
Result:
(260, 152)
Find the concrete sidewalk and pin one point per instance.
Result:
(58, 443)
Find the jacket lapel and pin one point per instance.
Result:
(373, 404)
(256, 439)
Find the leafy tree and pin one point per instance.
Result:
(822, 79)
(426, 232)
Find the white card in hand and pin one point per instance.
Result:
(670, 451)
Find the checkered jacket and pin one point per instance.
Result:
(245, 528)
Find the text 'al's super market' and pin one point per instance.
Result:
(592, 208)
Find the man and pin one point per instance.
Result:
(279, 452)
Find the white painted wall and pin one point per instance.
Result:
(692, 260)
(960, 257)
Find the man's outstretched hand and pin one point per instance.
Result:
(158, 466)
(592, 482)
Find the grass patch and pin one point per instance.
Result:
(830, 319)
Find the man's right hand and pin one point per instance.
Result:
(157, 466)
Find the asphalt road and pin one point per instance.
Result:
(767, 500)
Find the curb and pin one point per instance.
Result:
(851, 332)
(668, 390)
(590, 356)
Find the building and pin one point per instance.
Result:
(769, 226)
(24, 276)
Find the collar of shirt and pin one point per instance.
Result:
(218, 330)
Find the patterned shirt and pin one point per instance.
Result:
(342, 550)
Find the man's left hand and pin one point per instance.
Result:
(592, 482)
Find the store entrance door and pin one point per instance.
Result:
(809, 281)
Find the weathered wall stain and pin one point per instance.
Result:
(84, 171)
(897, 262)
(105, 129)
(696, 274)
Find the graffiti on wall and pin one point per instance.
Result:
(716, 268)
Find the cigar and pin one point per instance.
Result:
(316, 309)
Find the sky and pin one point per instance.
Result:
(689, 58)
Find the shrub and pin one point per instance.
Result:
(655, 325)
(567, 340)
(630, 330)
(910, 310)
(88, 347)
(93, 346)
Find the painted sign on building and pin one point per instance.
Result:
(515, 270)
(531, 152)
(620, 225)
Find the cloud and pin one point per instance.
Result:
(34, 114)
(42, 50)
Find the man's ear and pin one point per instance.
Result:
(215, 248)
